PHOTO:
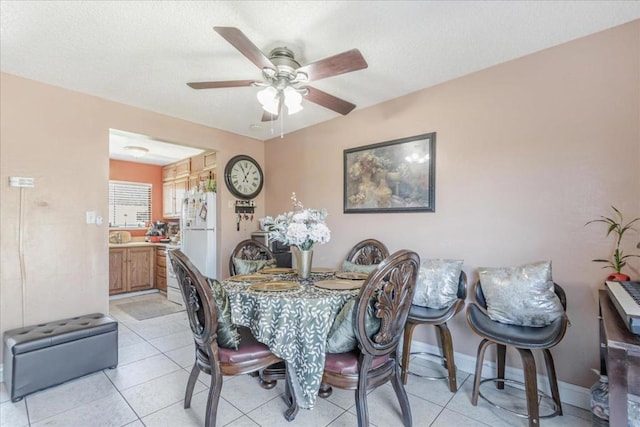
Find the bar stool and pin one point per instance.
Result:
(437, 317)
(524, 339)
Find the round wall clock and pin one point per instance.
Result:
(243, 177)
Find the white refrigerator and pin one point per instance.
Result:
(198, 231)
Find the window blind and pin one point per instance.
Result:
(129, 204)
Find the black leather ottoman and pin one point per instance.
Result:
(40, 356)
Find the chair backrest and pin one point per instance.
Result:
(556, 288)
(249, 249)
(367, 252)
(390, 288)
(199, 303)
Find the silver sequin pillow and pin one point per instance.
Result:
(437, 283)
(521, 295)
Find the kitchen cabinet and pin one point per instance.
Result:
(176, 170)
(173, 192)
(161, 268)
(202, 168)
(117, 270)
(131, 269)
(182, 176)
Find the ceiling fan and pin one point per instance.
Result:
(285, 79)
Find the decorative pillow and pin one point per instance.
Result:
(358, 268)
(521, 295)
(437, 282)
(342, 335)
(228, 336)
(248, 266)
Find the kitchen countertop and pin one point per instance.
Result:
(138, 244)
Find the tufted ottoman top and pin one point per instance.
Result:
(31, 338)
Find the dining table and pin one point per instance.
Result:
(293, 317)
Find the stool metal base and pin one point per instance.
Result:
(425, 353)
(541, 396)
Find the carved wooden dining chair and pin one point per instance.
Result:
(437, 317)
(389, 291)
(249, 250)
(210, 358)
(368, 252)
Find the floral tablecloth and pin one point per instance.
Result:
(293, 324)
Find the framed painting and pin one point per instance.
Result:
(391, 176)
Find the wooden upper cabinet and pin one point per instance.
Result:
(168, 199)
(183, 168)
(182, 176)
(197, 163)
(169, 172)
(180, 191)
(209, 161)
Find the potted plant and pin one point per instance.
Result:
(617, 226)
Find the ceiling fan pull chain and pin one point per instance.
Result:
(282, 124)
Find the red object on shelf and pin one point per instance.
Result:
(618, 277)
(155, 239)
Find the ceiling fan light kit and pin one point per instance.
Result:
(283, 75)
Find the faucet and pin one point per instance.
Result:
(118, 237)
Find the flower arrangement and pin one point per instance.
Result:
(301, 228)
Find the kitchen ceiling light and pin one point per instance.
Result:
(136, 151)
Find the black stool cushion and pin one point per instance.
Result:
(518, 336)
(418, 313)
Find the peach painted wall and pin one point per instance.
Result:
(140, 172)
(61, 138)
(527, 152)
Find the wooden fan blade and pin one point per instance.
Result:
(329, 101)
(245, 46)
(268, 117)
(345, 62)
(216, 85)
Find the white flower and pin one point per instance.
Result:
(302, 228)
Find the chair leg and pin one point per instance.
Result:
(447, 352)
(501, 356)
(195, 371)
(403, 399)
(214, 397)
(478, 375)
(531, 386)
(406, 349)
(362, 410)
(553, 381)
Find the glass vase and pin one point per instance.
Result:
(303, 262)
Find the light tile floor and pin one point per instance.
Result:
(155, 357)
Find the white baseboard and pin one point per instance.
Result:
(569, 393)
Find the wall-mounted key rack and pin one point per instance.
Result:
(244, 210)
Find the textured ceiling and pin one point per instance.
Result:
(142, 53)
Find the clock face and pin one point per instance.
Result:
(243, 177)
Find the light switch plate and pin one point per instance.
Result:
(21, 181)
(91, 217)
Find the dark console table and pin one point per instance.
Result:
(619, 359)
